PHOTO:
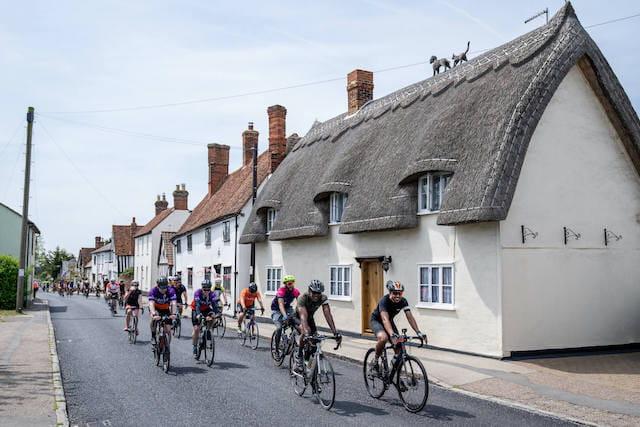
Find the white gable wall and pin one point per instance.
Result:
(577, 174)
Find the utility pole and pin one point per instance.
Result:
(25, 215)
(252, 272)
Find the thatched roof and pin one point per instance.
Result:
(475, 120)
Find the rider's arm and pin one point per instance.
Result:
(304, 323)
(172, 307)
(412, 321)
(281, 306)
(223, 297)
(152, 308)
(386, 322)
(260, 301)
(326, 310)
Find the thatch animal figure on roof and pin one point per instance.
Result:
(462, 57)
(437, 63)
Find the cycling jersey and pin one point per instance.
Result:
(113, 288)
(287, 295)
(160, 300)
(248, 298)
(312, 306)
(180, 289)
(202, 302)
(390, 307)
(132, 298)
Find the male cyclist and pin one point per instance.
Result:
(180, 290)
(307, 306)
(162, 302)
(113, 293)
(247, 301)
(382, 317)
(204, 303)
(217, 287)
(281, 309)
(133, 302)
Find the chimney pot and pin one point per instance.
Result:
(161, 204)
(180, 198)
(359, 89)
(277, 130)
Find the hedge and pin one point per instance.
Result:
(8, 282)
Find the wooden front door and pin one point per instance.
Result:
(372, 290)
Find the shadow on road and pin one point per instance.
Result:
(353, 409)
(12, 376)
(57, 308)
(229, 365)
(435, 412)
(181, 370)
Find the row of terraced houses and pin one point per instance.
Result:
(503, 193)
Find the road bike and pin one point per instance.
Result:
(113, 301)
(86, 293)
(316, 370)
(161, 347)
(206, 342)
(220, 325)
(407, 374)
(132, 326)
(176, 329)
(250, 329)
(283, 346)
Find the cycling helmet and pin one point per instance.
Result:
(217, 280)
(316, 286)
(395, 286)
(172, 278)
(253, 288)
(289, 278)
(113, 280)
(206, 284)
(162, 282)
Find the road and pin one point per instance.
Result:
(111, 382)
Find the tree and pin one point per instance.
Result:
(50, 262)
(8, 282)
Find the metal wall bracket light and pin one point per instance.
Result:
(386, 262)
(570, 233)
(527, 232)
(609, 235)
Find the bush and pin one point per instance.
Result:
(8, 282)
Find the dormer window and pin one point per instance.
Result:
(337, 203)
(271, 216)
(430, 190)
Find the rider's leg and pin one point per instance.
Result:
(126, 319)
(382, 339)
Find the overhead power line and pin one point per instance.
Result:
(281, 88)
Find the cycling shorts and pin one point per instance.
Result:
(379, 327)
(205, 313)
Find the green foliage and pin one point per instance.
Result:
(8, 282)
(50, 263)
(128, 272)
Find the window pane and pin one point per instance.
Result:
(347, 289)
(424, 293)
(435, 192)
(447, 293)
(424, 275)
(423, 192)
(435, 276)
(446, 275)
(333, 273)
(435, 294)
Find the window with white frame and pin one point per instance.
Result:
(274, 278)
(207, 236)
(271, 216)
(430, 190)
(179, 246)
(226, 231)
(337, 203)
(340, 281)
(189, 243)
(436, 284)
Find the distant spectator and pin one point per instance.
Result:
(35, 289)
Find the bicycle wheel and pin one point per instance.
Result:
(412, 384)
(200, 346)
(177, 329)
(130, 329)
(221, 329)
(276, 350)
(209, 347)
(254, 337)
(135, 329)
(297, 381)
(324, 386)
(373, 379)
(166, 357)
(156, 353)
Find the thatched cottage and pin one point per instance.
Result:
(504, 194)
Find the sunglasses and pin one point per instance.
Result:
(396, 293)
(289, 283)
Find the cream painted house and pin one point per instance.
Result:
(504, 194)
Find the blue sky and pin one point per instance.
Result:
(69, 56)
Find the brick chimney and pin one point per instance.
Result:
(277, 140)
(359, 89)
(218, 165)
(180, 198)
(292, 140)
(99, 242)
(249, 140)
(161, 204)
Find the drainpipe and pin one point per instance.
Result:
(235, 267)
(253, 202)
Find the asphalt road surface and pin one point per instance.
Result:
(110, 382)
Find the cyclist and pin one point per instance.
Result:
(122, 289)
(162, 302)
(217, 287)
(247, 301)
(133, 302)
(382, 317)
(113, 293)
(281, 309)
(180, 290)
(306, 307)
(204, 303)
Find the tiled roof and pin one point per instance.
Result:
(85, 255)
(106, 248)
(168, 246)
(230, 198)
(154, 222)
(123, 238)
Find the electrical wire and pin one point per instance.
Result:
(6, 144)
(613, 20)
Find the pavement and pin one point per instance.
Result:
(27, 375)
(111, 382)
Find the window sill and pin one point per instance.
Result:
(421, 213)
(339, 298)
(445, 307)
(270, 292)
(334, 223)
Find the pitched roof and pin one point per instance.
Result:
(475, 120)
(31, 223)
(148, 228)
(123, 238)
(106, 248)
(85, 255)
(165, 240)
(234, 193)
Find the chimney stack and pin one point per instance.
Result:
(277, 129)
(180, 198)
(359, 89)
(99, 243)
(249, 140)
(161, 204)
(218, 155)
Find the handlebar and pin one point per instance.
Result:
(401, 338)
(319, 338)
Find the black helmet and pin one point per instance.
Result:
(206, 284)
(162, 282)
(253, 288)
(395, 286)
(316, 286)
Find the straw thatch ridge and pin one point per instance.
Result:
(475, 121)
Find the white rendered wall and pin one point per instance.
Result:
(577, 174)
(474, 322)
